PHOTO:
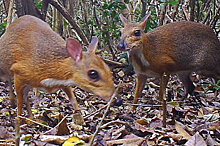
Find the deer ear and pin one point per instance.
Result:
(74, 48)
(123, 19)
(93, 44)
(144, 20)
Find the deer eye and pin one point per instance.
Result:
(94, 75)
(137, 32)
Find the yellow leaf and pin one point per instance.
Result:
(1, 99)
(73, 141)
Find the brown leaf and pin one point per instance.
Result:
(176, 137)
(127, 142)
(196, 140)
(62, 128)
(181, 131)
(140, 127)
(142, 121)
(210, 141)
(4, 134)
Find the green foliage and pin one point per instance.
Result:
(208, 86)
(172, 2)
(108, 16)
(153, 22)
(38, 4)
(217, 86)
(2, 28)
(27, 139)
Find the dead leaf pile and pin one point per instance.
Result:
(193, 121)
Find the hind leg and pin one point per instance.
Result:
(187, 82)
(11, 94)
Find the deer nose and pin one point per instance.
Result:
(121, 46)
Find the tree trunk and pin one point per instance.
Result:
(27, 7)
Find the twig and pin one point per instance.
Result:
(105, 114)
(10, 12)
(207, 16)
(215, 19)
(7, 144)
(18, 134)
(147, 105)
(114, 122)
(95, 112)
(35, 122)
(56, 125)
(108, 61)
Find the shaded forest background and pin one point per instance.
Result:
(82, 19)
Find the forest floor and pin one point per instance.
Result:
(192, 121)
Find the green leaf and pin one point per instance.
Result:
(27, 139)
(4, 24)
(172, 2)
(173, 103)
(218, 83)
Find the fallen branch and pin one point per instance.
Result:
(95, 112)
(144, 105)
(43, 125)
(105, 114)
(111, 62)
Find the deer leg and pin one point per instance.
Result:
(77, 115)
(11, 94)
(162, 95)
(141, 80)
(27, 102)
(187, 82)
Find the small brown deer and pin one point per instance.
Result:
(176, 48)
(35, 56)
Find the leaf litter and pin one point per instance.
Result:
(192, 121)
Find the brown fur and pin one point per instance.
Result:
(31, 52)
(180, 47)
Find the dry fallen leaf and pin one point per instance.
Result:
(210, 141)
(73, 141)
(54, 139)
(181, 131)
(176, 137)
(63, 128)
(196, 140)
(126, 142)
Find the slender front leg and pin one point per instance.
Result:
(162, 96)
(78, 119)
(141, 80)
(72, 97)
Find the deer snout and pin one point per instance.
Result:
(122, 46)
